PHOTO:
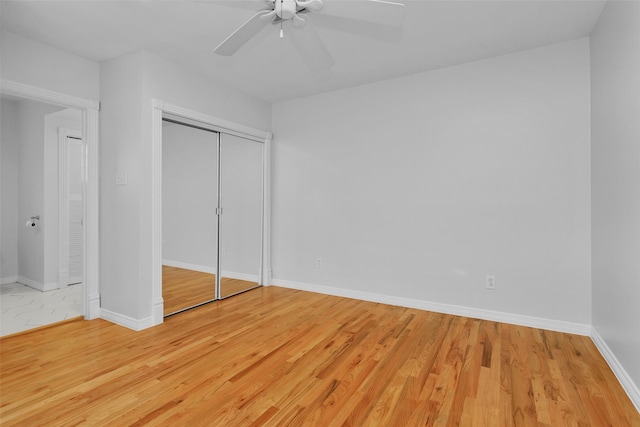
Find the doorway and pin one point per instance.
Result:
(32, 293)
(88, 112)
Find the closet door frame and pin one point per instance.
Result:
(160, 109)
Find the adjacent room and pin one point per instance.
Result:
(320, 212)
(41, 214)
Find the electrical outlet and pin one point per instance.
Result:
(319, 262)
(122, 178)
(491, 282)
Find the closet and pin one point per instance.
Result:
(212, 214)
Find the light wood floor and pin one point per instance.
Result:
(274, 356)
(182, 288)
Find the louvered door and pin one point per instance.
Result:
(76, 229)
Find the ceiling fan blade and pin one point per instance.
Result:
(252, 5)
(269, 16)
(311, 47)
(298, 21)
(314, 5)
(383, 33)
(376, 11)
(242, 35)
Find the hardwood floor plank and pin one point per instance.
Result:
(274, 356)
(505, 407)
(183, 288)
(523, 402)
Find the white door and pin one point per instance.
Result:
(76, 228)
(70, 182)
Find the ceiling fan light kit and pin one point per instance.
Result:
(289, 9)
(278, 11)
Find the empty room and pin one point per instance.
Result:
(320, 212)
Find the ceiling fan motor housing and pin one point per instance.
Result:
(285, 9)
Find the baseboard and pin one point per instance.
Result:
(93, 310)
(51, 286)
(267, 278)
(158, 311)
(625, 380)
(30, 283)
(188, 266)
(8, 279)
(240, 276)
(126, 321)
(42, 287)
(210, 270)
(476, 313)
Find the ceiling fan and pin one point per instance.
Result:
(306, 40)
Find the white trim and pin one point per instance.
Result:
(63, 207)
(189, 266)
(265, 271)
(52, 286)
(157, 302)
(21, 90)
(91, 199)
(93, 304)
(159, 108)
(42, 287)
(90, 119)
(625, 380)
(8, 279)
(30, 283)
(240, 276)
(215, 123)
(126, 321)
(211, 270)
(457, 310)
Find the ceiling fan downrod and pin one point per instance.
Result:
(281, 30)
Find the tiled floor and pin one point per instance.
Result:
(25, 308)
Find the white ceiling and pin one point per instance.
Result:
(434, 34)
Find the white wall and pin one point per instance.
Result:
(31, 191)
(177, 85)
(128, 85)
(8, 191)
(615, 95)
(420, 186)
(30, 62)
(120, 136)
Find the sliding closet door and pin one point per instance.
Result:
(241, 218)
(189, 221)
